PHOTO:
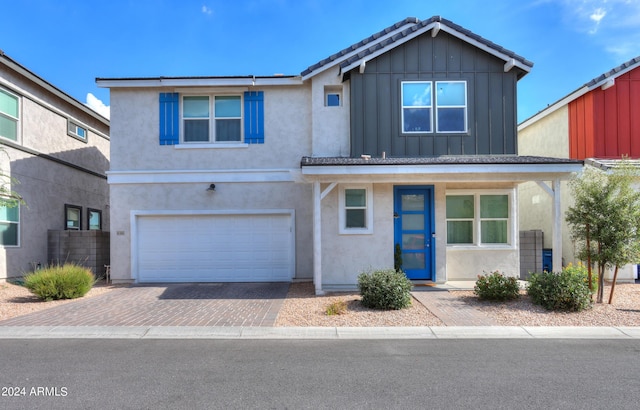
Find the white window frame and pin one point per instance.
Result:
(212, 119)
(438, 106)
(342, 210)
(512, 219)
(17, 245)
(72, 130)
(402, 108)
(434, 107)
(12, 118)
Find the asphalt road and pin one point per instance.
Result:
(330, 374)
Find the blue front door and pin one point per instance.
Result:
(414, 230)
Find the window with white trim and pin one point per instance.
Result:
(9, 226)
(9, 115)
(356, 209)
(211, 118)
(76, 130)
(418, 99)
(482, 219)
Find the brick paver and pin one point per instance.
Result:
(200, 304)
(451, 310)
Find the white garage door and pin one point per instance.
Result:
(215, 248)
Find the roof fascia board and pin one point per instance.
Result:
(485, 47)
(196, 82)
(448, 169)
(355, 52)
(386, 49)
(553, 108)
(578, 93)
(51, 88)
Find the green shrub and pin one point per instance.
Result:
(565, 291)
(496, 286)
(385, 289)
(68, 281)
(580, 272)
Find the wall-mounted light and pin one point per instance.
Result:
(212, 187)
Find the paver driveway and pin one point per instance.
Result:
(184, 304)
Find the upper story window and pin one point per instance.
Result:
(9, 115)
(479, 219)
(212, 118)
(419, 99)
(76, 130)
(332, 95)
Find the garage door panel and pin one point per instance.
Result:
(215, 248)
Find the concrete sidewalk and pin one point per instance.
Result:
(324, 333)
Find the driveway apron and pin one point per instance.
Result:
(184, 304)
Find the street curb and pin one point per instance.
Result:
(317, 333)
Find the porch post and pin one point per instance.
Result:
(557, 227)
(317, 238)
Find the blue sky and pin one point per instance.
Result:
(71, 42)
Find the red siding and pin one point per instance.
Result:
(606, 124)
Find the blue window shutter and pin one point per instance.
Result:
(169, 118)
(254, 117)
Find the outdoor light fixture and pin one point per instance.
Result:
(212, 187)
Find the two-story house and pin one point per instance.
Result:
(57, 149)
(405, 140)
(597, 123)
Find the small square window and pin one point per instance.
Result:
(76, 131)
(94, 219)
(73, 217)
(333, 100)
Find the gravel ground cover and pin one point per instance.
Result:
(303, 308)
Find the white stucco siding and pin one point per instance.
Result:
(468, 264)
(547, 137)
(345, 256)
(193, 197)
(135, 129)
(330, 125)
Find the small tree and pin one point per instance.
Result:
(605, 219)
(8, 197)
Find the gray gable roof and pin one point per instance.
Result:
(621, 69)
(599, 81)
(401, 32)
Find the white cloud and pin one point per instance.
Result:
(98, 106)
(206, 10)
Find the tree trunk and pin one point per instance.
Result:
(589, 260)
(613, 285)
(600, 283)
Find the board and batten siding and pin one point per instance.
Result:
(491, 100)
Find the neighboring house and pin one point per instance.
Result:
(58, 150)
(407, 137)
(599, 123)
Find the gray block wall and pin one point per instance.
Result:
(86, 248)
(531, 243)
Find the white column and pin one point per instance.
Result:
(557, 227)
(317, 238)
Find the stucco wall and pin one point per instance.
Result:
(46, 185)
(135, 130)
(194, 197)
(330, 125)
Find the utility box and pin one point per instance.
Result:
(547, 260)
